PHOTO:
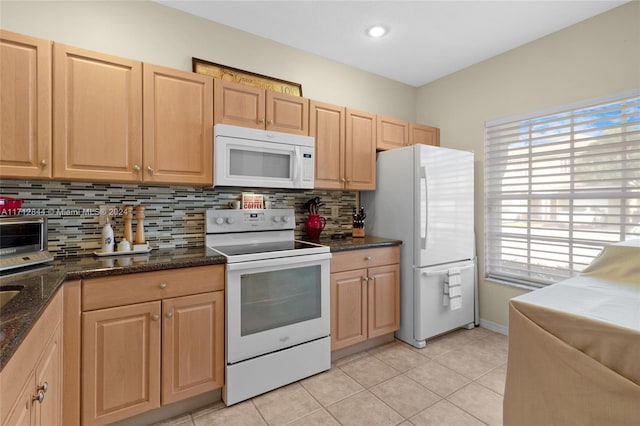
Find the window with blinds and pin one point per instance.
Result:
(560, 185)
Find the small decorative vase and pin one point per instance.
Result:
(314, 226)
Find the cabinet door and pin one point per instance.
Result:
(48, 377)
(120, 362)
(25, 113)
(348, 308)
(192, 345)
(238, 105)
(384, 300)
(420, 133)
(392, 133)
(178, 126)
(327, 125)
(97, 126)
(287, 113)
(20, 413)
(360, 152)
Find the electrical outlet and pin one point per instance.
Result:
(335, 212)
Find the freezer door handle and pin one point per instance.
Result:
(424, 201)
(443, 271)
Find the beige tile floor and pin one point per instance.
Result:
(457, 379)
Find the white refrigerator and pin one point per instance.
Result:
(424, 197)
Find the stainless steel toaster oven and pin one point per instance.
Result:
(23, 241)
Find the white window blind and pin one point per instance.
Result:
(558, 187)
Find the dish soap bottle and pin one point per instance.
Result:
(107, 238)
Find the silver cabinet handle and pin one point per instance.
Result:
(39, 397)
(43, 163)
(136, 168)
(150, 170)
(270, 122)
(155, 317)
(367, 258)
(261, 121)
(365, 278)
(44, 388)
(163, 285)
(169, 314)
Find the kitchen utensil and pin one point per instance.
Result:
(140, 225)
(128, 217)
(124, 246)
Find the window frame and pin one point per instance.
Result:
(498, 164)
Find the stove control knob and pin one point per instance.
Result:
(229, 220)
(276, 219)
(286, 218)
(219, 221)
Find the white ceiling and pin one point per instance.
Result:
(427, 39)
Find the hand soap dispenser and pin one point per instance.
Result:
(107, 238)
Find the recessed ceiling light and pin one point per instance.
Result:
(377, 31)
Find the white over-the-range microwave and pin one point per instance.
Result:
(260, 158)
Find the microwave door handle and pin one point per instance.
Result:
(297, 164)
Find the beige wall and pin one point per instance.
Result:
(597, 57)
(154, 33)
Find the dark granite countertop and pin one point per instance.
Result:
(40, 283)
(349, 243)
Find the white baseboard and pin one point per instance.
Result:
(494, 326)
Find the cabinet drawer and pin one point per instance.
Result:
(106, 292)
(356, 259)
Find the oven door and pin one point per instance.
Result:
(275, 304)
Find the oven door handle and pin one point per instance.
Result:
(280, 261)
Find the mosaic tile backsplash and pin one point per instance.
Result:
(174, 215)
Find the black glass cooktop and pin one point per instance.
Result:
(236, 250)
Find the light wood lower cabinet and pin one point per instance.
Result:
(139, 356)
(365, 295)
(192, 345)
(120, 362)
(31, 382)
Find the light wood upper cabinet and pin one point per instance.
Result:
(120, 362)
(360, 151)
(392, 133)
(238, 105)
(247, 106)
(192, 345)
(365, 295)
(287, 113)
(345, 147)
(420, 133)
(97, 127)
(327, 125)
(31, 382)
(178, 126)
(25, 110)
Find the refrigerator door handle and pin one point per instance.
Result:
(423, 236)
(443, 271)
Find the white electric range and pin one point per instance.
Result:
(277, 300)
